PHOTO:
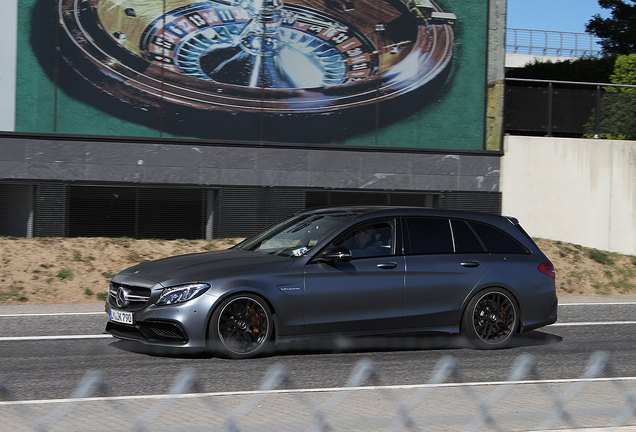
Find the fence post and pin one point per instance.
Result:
(550, 97)
(597, 126)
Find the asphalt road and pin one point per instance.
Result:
(34, 366)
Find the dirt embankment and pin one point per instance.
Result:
(77, 270)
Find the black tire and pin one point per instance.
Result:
(241, 327)
(491, 319)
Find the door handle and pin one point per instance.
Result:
(470, 264)
(389, 265)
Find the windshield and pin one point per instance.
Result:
(294, 237)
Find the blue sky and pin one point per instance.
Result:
(555, 15)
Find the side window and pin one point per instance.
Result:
(429, 236)
(370, 240)
(465, 240)
(497, 241)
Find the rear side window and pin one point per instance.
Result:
(497, 241)
(465, 240)
(429, 236)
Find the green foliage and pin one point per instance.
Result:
(618, 107)
(101, 295)
(88, 292)
(65, 274)
(625, 70)
(596, 70)
(135, 257)
(13, 292)
(618, 32)
(124, 242)
(600, 257)
(108, 274)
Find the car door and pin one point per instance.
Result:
(364, 294)
(444, 262)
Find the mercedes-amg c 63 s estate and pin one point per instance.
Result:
(350, 271)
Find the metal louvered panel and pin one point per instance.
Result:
(414, 199)
(104, 211)
(50, 209)
(137, 212)
(198, 212)
(245, 211)
(358, 198)
(332, 197)
(487, 202)
(16, 210)
(280, 203)
(171, 213)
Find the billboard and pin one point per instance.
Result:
(390, 73)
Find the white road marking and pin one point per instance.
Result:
(597, 304)
(592, 323)
(36, 338)
(314, 390)
(50, 314)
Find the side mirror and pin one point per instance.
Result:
(336, 254)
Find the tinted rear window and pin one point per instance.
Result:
(429, 236)
(497, 241)
(465, 240)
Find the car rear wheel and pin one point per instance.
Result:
(241, 326)
(491, 319)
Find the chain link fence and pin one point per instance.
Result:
(446, 402)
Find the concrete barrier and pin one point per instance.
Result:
(580, 191)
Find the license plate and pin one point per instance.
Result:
(121, 317)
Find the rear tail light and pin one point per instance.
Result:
(547, 268)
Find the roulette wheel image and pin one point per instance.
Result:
(290, 60)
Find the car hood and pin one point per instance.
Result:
(204, 266)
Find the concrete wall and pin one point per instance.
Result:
(521, 60)
(580, 191)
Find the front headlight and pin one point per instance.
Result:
(182, 293)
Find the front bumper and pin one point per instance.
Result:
(180, 325)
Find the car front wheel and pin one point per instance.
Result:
(491, 319)
(241, 326)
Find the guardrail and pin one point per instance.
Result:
(551, 43)
(524, 401)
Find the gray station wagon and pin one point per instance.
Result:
(350, 271)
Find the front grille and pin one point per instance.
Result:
(167, 331)
(122, 331)
(137, 297)
(151, 331)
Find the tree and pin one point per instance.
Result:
(625, 71)
(618, 32)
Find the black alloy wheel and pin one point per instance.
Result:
(491, 319)
(241, 326)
